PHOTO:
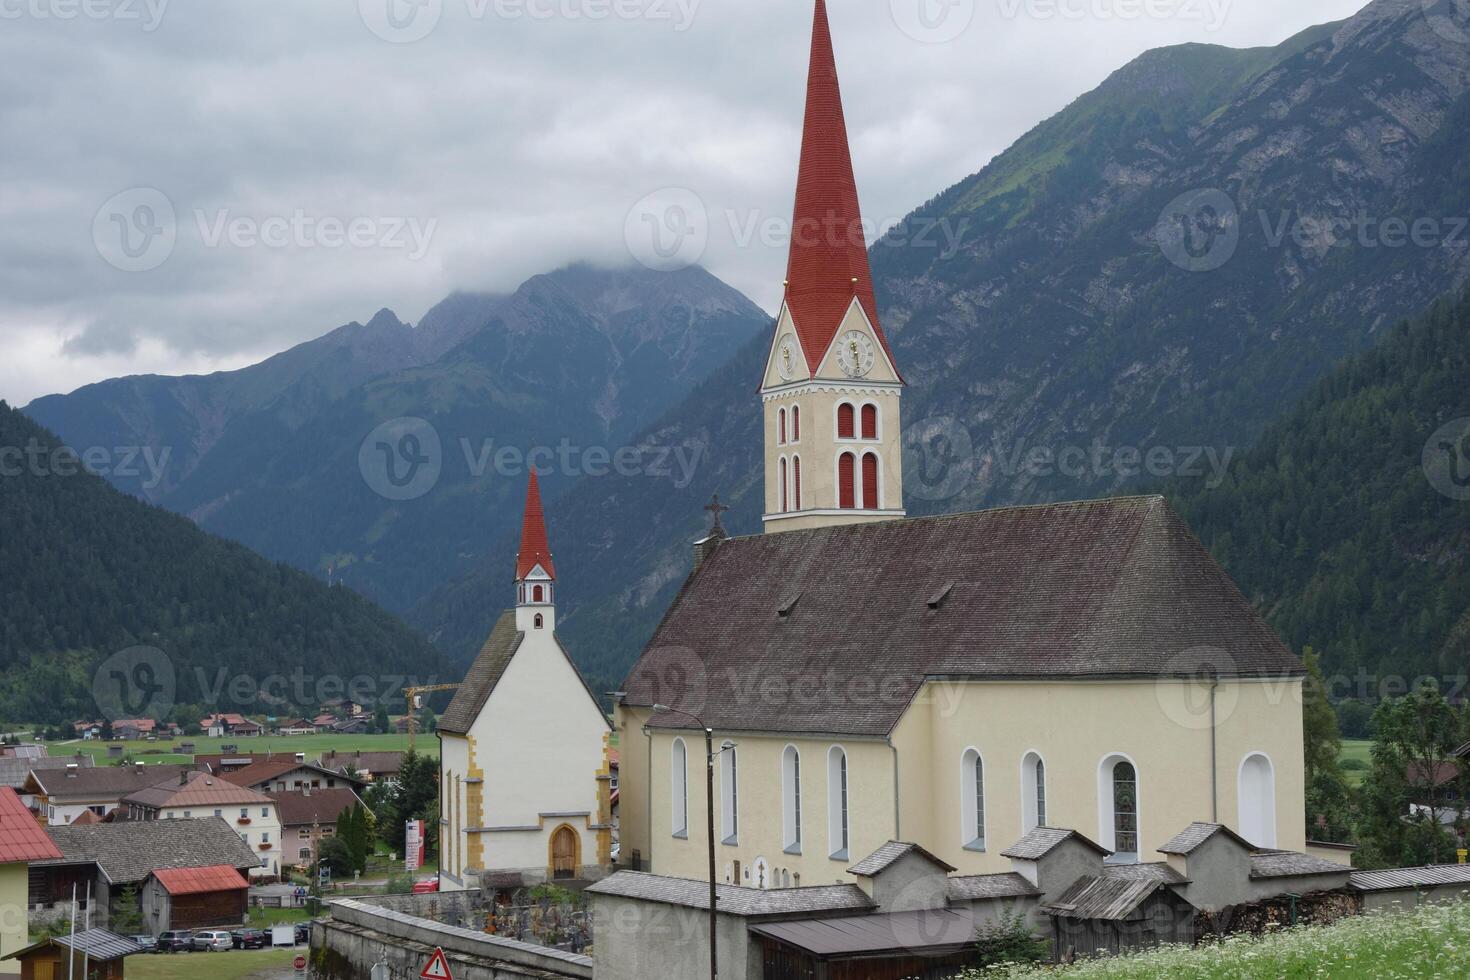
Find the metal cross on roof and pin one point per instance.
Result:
(716, 508)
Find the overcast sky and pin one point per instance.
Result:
(193, 185)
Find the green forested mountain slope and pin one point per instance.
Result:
(1349, 522)
(87, 571)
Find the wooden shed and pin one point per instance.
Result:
(194, 898)
(96, 955)
(923, 944)
(1114, 913)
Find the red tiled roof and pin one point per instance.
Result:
(535, 550)
(21, 837)
(194, 881)
(828, 265)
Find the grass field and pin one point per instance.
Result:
(237, 964)
(1432, 942)
(1361, 749)
(165, 750)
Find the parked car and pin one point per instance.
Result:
(303, 933)
(145, 942)
(173, 941)
(426, 885)
(212, 940)
(250, 939)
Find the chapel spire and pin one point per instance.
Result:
(535, 574)
(534, 547)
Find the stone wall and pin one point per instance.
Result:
(360, 935)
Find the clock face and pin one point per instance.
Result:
(786, 357)
(855, 353)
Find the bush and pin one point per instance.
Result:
(1010, 940)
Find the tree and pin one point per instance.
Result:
(381, 723)
(1416, 782)
(334, 853)
(1328, 796)
(127, 917)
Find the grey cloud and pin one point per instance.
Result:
(525, 139)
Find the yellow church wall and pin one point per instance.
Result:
(633, 780)
(13, 884)
(870, 808)
(1162, 727)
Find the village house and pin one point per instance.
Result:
(373, 767)
(22, 841)
(104, 860)
(62, 795)
(15, 771)
(309, 816)
(290, 773)
(295, 726)
(540, 810)
(200, 794)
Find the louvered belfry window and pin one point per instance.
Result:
(845, 495)
(870, 421)
(844, 421)
(870, 481)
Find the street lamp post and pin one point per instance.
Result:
(709, 811)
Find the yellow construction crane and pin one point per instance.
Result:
(414, 700)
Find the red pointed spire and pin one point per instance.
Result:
(828, 265)
(535, 550)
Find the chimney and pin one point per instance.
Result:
(300, 756)
(138, 767)
(183, 777)
(71, 770)
(305, 789)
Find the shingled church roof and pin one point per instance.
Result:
(833, 629)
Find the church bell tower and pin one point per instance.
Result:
(535, 574)
(831, 390)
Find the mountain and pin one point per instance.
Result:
(107, 595)
(393, 457)
(1349, 522)
(1154, 274)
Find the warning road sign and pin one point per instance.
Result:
(438, 968)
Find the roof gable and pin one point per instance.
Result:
(21, 837)
(884, 857)
(197, 881)
(1114, 588)
(1041, 841)
(1193, 836)
(480, 680)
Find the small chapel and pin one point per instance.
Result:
(956, 681)
(524, 778)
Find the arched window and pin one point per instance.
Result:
(796, 423)
(539, 621)
(837, 803)
(870, 481)
(1256, 794)
(844, 421)
(781, 427)
(679, 789)
(972, 800)
(729, 794)
(791, 800)
(1033, 792)
(870, 421)
(1118, 812)
(781, 478)
(796, 482)
(537, 592)
(845, 493)
(521, 593)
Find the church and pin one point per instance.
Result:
(524, 778)
(954, 681)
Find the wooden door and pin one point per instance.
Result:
(564, 857)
